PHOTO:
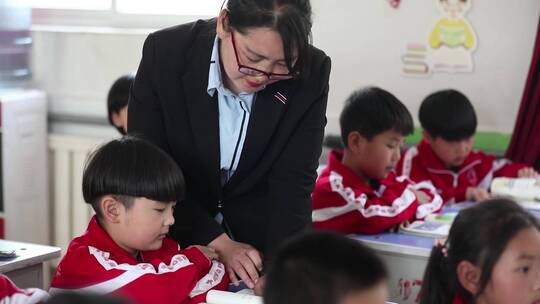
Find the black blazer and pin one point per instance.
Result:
(269, 197)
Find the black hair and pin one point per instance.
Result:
(290, 18)
(321, 268)
(84, 298)
(479, 235)
(130, 167)
(448, 114)
(118, 97)
(371, 111)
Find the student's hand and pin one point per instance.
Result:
(210, 253)
(396, 227)
(259, 286)
(477, 194)
(527, 172)
(241, 260)
(422, 197)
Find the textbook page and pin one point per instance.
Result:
(424, 228)
(526, 191)
(226, 297)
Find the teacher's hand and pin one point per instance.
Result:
(259, 286)
(241, 260)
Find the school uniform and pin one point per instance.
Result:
(458, 299)
(344, 202)
(9, 293)
(95, 263)
(263, 197)
(420, 163)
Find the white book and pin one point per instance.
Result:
(226, 297)
(526, 191)
(425, 228)
(242, 297)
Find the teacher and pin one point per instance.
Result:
(239, 102)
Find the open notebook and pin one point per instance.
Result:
(526, 191)
(245, 296)
(434, 225)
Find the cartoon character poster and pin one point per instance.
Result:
(452, 40)
(450, 43)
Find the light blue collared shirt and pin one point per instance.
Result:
(234, 112)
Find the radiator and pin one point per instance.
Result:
(70, 214)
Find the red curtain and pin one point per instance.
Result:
(525, 144)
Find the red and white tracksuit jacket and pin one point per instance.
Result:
(9, 293)
(343, 202)
(420, 163)
(95, 263)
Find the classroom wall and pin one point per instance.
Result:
(364, 38)
(77, 68)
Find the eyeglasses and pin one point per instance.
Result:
(256, 72)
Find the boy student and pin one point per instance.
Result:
(445, 156)
(358, 192)
(133, 187)
(323, 268)
(117, 102)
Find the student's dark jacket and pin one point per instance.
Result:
(268, 197)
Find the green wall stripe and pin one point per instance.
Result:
(486, 141)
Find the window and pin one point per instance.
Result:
(120, 13)
(69, 4)
(175, 7)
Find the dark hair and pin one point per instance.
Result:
(118, 97)
(321, 267)
(86, 298)
(290, 18)
(479, 235)
(448, 114)
(130, 167)
(371, 111)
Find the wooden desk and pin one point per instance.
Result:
(26, 269)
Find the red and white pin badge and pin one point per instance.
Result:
(281, 97)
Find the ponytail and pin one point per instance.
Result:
(439, 279)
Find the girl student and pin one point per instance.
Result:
(492, 255)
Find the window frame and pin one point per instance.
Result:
(110, 18)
